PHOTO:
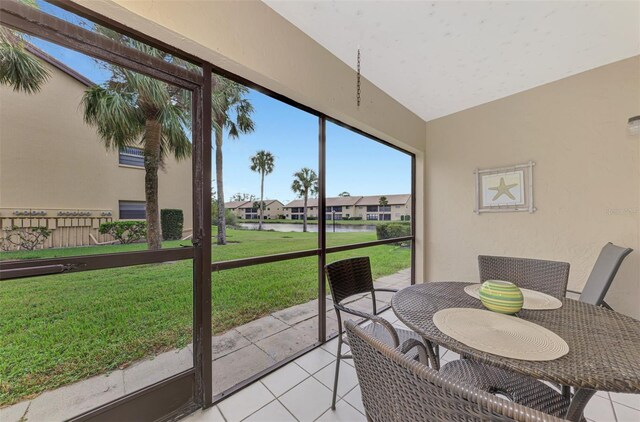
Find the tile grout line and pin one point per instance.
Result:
(613, 408)
(328, 388)
(260, 408)
(287, 409)
(622, 404)
(287, 390)
(308, 377)
(311, 374)
(625, 405)
(353, 407)
(348, 392)
(221, 414)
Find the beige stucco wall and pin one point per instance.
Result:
(586, 179)
(397, 211)
(50, 159)
(249, 39)
(274, 210)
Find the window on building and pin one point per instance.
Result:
(132, 210)
(372, 216)
(385, 217)
(386, 208)
(131, 156)
(372, 208)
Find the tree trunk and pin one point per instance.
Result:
(261, 200)
(304, 215)
(222, 219)
(153, 133)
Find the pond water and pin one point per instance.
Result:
(285, 227)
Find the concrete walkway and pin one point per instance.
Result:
(237, 354)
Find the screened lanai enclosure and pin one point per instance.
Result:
(106, 314)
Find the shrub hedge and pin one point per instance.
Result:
(392, 230)
(172, 223)
(125, 231)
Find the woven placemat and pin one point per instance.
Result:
(500, 334)
(533, 300)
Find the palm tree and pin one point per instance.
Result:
(263, 163)
(20, 69)
(231, 111)
(133, 110)
(344, 194)
(305, 184)
(383, 201)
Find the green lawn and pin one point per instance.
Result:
(58, 329)
(329, 222)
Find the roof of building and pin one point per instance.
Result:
(337, 201)
(391, 199)
(296, 203)
(352, 200)
(58, 64)
(234, 204)
(268, 202)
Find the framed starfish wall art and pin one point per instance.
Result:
(505, 189)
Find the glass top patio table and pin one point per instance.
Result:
(604, 346)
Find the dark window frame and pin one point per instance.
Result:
(127, 157)
(132, 214)
(151, 401)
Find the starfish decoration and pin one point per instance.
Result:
(503, 189)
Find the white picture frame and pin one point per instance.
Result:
(505, 189)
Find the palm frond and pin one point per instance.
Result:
(152, 94)
(229, 107)
(19, 69)
(263, 162)
(305, 182)
(174, 121)
(234, 132)
(118, 122)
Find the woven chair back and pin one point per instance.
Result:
(398, 389)
(349, 277)
(550, 277)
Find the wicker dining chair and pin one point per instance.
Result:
(550, 277)
(349, 277)
(603, 273)
(397, 388)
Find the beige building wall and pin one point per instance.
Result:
(51, 160)
(249, 39)
(274, 209)
(397, 211)
(586, 179)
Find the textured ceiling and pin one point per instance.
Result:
(438, 58)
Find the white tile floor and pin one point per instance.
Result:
(301, 391)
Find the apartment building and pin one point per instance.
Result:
(397, 208)
(247, 210)
(55, 171)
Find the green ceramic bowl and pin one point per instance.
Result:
(501, 296)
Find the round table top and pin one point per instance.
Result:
(604, 346)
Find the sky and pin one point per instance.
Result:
(355, 164)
